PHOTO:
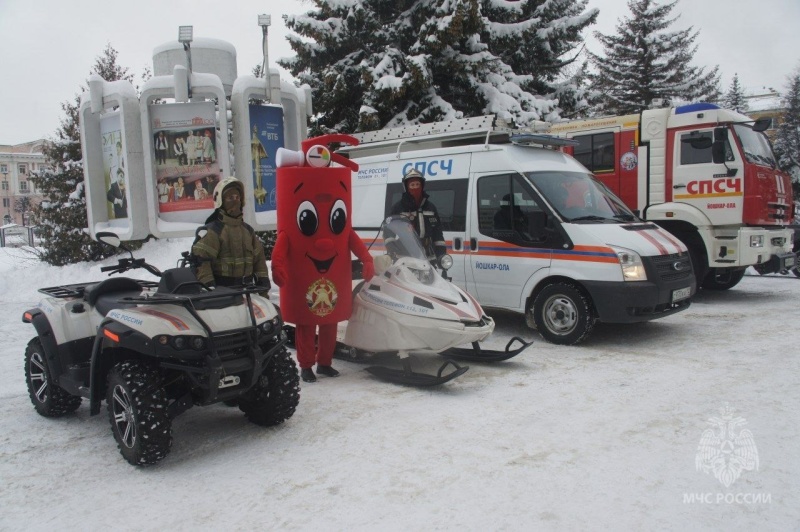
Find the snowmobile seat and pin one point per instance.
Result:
(103, 296)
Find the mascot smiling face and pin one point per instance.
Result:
(314, 205)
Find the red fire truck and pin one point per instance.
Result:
(705, 174)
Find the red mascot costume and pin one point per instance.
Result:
(311, 258)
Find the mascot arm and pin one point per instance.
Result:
(361, 251)
(280, 254)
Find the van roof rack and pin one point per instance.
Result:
(483, 129)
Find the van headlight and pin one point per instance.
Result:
(631, 264)
(756, 241)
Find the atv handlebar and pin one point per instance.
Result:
(124, 265)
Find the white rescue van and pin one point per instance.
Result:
(528, 227)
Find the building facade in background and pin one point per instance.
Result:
(17, 192)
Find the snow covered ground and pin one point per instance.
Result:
(599, 436)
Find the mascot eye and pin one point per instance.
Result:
(338, 217)
(307, 219)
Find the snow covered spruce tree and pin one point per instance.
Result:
(644, 61)
(787, 140)
(61, 216)
(374, 64)
(735, 97)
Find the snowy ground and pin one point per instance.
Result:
(599, 436)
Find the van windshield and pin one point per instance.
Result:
(579, 197)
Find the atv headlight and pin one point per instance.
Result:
(446, 262)
(631, 264)
(268, 328)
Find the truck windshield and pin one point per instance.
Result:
(579, 197)
(755, 145)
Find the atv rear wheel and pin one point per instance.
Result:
(274, 398)
(563, 314)
(48, 398)
(137, 409)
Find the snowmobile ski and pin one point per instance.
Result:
(408, 377)
(476, 354)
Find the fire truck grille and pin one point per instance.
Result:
(673, 267)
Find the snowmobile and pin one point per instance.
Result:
(410, 307)
(154, 350)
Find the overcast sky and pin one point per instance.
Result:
(47, 47)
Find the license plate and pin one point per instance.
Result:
(680, 294)
(788, 263)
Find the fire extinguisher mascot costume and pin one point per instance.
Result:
(311, 258)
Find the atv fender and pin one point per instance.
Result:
(100, 365)
(45, 333)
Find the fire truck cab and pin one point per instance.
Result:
(705, 174)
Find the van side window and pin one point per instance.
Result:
(596, 152)
(508, 211)
(449, 196)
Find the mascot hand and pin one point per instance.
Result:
(368, 271)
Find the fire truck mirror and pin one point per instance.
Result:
(718, 147)
(762, 124)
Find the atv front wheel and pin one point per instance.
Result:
(137, 409)
(275, 396)
(563, 314)
(48, 398)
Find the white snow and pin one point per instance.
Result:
(599, 436)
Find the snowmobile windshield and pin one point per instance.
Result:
(401, 239)
(580, 197)
(755, 146)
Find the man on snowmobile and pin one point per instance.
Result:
(415, 205)
(230, 251)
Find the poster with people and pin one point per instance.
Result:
(185, 155)
(114, 167)
(266, 136)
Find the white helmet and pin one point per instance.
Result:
(222, 185)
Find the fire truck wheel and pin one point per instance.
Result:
(722, 279)
(563, 314)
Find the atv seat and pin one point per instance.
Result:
(103, 296)
(183, 281)
(179, 281)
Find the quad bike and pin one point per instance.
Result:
(154, 350)
(409, 307)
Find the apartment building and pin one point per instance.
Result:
(17, 164)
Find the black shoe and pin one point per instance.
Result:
(307, 374)
(328, 371)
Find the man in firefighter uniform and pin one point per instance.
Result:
(234, 254)
(416, 206)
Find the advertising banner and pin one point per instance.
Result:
(187, 170)
(114, 168)
(266, 137)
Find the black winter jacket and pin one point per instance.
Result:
(426, 221)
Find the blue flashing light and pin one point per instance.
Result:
(695, 107)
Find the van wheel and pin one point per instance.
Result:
(563, 314)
